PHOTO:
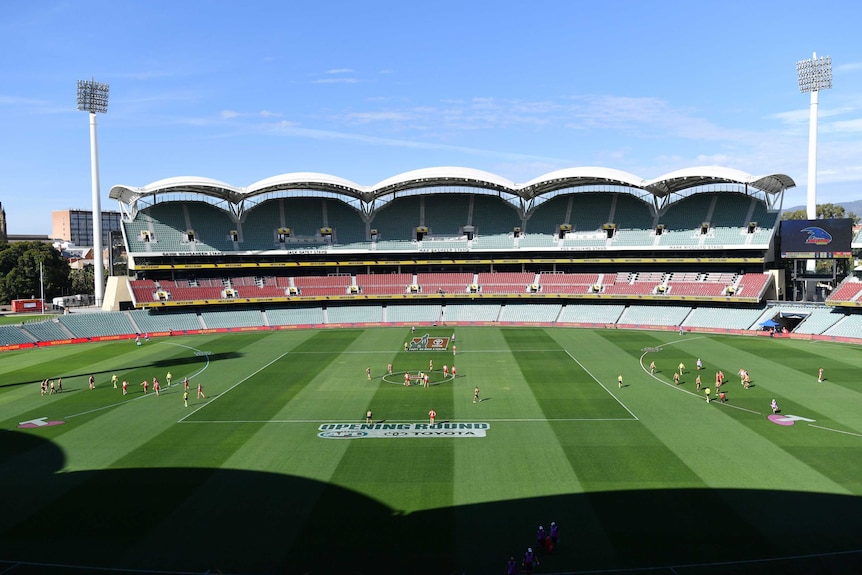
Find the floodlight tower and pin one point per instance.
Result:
(814, 75)
(93, 98)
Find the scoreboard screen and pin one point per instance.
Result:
(816, 239)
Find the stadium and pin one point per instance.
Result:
(283, 294)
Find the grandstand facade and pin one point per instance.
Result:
(454, 234)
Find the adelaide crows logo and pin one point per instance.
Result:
(817, 236)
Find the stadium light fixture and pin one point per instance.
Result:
(93, 98)
(814, 75)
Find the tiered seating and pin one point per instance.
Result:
(505, 282)
(295, 316)
(654, 315)
(163, 320)
(631, 213)
(346, 223)
(443, 244)
(445, 214)
(538, 240)
(144, 290)
(355, 314)
(850, 326)
(818, 321)
(547, 217)
(590, 211)
(752, 285)
(11, 335)
(195, 293)
(644, 283)
(212, 227)
(539, 312)
(590, 313)
(850, 290)
(775, 310)
(492, 215)
(722, 317)
(567, 283)
(413, 313)
(696, 284)
(323, 285)
(48, 330)
(96, 324)
(226, 318)
(448, 282)
(260, 225)
(373, 284)
(471, 312)
(397, 221)
(494, 242)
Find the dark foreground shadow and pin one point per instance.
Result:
(230, 521)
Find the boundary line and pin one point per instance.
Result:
(680, 389)
(835, 430)
(200, 371)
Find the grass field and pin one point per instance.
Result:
(643, 478)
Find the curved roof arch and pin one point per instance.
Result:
(660, 188)
(443, 176)
(583, 176)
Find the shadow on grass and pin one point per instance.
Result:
(103, 376)
(233, 521)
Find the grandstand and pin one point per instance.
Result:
(579, 245)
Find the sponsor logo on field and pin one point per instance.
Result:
(787, 419)
(428, 343)
(39, 422)
(398, 430)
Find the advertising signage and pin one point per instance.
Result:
(816, 239)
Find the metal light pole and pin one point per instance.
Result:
(93, 98)
(814, 75)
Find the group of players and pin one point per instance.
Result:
(48, 386)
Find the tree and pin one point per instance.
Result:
(19, 271)
(823, 211)
(83, 281)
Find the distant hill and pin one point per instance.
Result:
(854, 207)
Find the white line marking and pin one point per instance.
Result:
(600, 383)
(683, 390)
(198, 372)
(246, 378)
(835, 430)
(526, 420)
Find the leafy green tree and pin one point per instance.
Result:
(823, 211)
(83, 281)
(20, 273)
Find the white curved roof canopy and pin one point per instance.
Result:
(661, 187)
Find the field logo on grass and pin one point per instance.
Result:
(787, 419)
(428, 343)
(400, 430)
(39, 422)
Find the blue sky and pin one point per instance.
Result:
(365, 90)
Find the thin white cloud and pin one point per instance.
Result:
(269, 114)
(335, 81)
(340, 71)
(368, 117)
(230, 114)
(849, 67)
(291, 129)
